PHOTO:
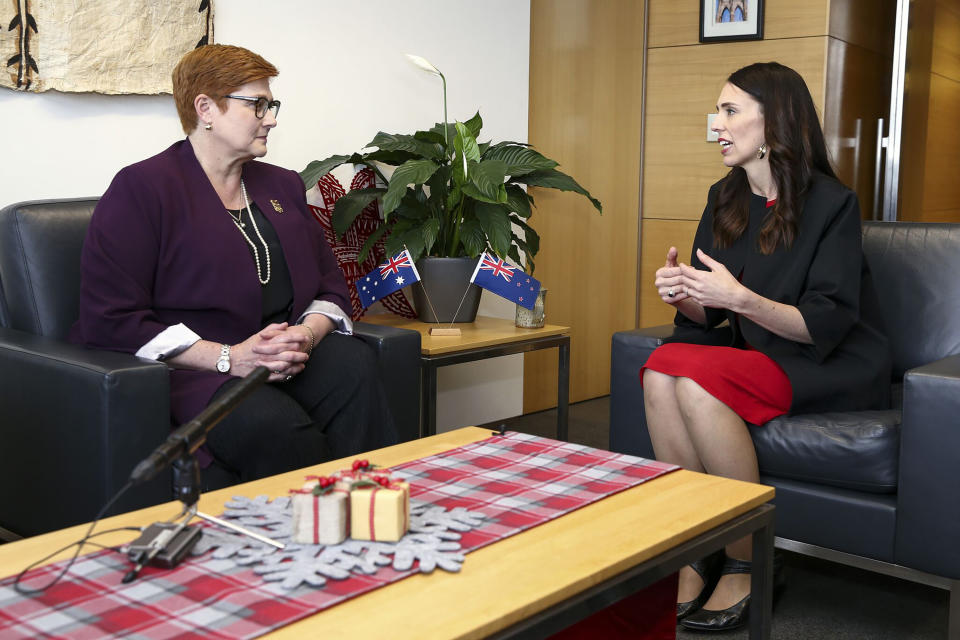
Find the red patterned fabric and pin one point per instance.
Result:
(346, 250)
(518, 481)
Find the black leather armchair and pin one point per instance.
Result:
(74, 421)
(875, 489)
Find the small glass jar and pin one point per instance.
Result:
(532, 318)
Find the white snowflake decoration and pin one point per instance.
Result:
(431, 543)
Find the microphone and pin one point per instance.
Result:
(190, 436)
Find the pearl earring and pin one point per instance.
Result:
(208, 127)
(761, 152)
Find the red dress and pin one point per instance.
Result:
(746, 380)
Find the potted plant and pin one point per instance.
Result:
(448, 198)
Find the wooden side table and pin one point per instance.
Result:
(484, 338)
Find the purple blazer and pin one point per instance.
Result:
(161, 250)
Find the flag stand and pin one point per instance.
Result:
(444, 331)
(440, 330)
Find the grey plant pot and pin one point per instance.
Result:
(446, 280)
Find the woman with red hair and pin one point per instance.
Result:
(210, 261)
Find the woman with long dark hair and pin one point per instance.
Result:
(778, 256)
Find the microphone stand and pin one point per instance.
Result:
(168, 542)
(186, 483)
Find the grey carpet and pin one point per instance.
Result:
(822, 600)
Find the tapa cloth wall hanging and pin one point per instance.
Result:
(101, 46)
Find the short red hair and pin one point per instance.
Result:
(215, 70)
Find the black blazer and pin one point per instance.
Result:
(825, 276)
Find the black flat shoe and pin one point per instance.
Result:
(732, 617)
(709, 571)
(735, 615)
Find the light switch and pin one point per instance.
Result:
(711, 135)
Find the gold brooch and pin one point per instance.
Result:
(276, 206)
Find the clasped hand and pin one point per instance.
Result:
(281, 348)
(714, 287)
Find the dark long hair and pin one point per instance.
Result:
(796, 149)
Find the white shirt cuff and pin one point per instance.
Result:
(168, 343)
(332, 311)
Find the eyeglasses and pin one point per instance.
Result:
(261, 105)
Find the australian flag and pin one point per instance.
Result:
(393, 275)
(506, 280)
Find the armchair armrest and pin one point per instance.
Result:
(628, 423)
(75, 423)
(928, 517)
(398, 361)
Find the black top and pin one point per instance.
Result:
(277, 295)
(824, 275)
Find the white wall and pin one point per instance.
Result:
(342, 78)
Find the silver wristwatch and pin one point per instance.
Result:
(223, 362)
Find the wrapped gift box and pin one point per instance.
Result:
(320, 517)
(379, 509)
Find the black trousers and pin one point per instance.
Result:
(335, 407)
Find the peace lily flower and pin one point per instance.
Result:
(424, 64)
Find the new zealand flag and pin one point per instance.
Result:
(506, 280)
(393, 275)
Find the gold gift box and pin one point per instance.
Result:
(379, 513)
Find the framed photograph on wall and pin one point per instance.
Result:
(728, 20)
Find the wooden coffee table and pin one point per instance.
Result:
(531, 584)
(481, 339)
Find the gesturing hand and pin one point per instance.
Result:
(669, 279)
(713, 288)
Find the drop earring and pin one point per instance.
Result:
(208, 126)
(761, 152)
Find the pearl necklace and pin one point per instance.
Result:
(240, 225)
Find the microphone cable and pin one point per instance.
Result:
(28, 591)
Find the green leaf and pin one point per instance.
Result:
(393, 158)
(413, 240)
(474, 124)
(413, 206)
(532, 239)
(439, 184)
(520, 160)
(451, 130)
(454, 198)
(429, 231)
(457, 171)
(393, 244)
(319, 168)
(466, 144)
(349, 206)
(471, 190)
(554, 179)
(436, 137)
(518, 201)
(410, 144)
(410, 172)
(496, 224)
(488, 178)
(370, 242)
(472, 237)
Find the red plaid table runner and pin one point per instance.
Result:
(518, 481)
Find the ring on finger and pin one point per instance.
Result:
(670, 292)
